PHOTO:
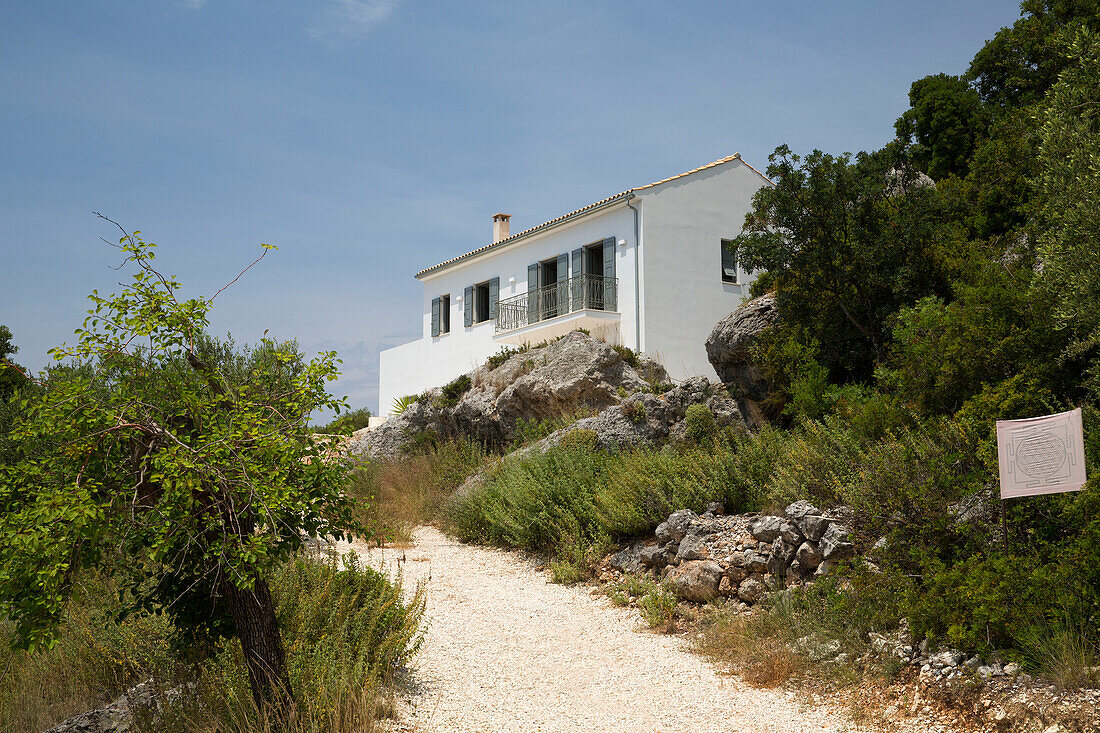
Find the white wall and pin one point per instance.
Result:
(683, 223)
(431, 362)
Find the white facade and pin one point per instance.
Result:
(667, 278)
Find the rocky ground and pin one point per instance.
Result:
(739, 558)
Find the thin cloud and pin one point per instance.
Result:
(345, 20)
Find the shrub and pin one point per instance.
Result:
(628, 355)
(633, 411)
(453, 391)
(570, 497)
(347, 423)
(505, 353)
(580, 439)
(658, 607)
(700, 427)
(346, 632)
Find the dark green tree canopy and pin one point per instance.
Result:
(945, 120)
(845, 243)
(1020, 63)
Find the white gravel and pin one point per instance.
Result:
(506, 650)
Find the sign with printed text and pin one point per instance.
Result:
(1041, 455)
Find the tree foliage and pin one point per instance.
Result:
(185, 454)
(845, 243)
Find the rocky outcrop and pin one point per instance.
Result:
(116, 717)
(573, 374)
(729, 349)
(740, 556)
(649, 419)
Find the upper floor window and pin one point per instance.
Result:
(729, 262)
(441, 315)
(480, 302)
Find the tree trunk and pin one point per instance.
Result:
(253, 614)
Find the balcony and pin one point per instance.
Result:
(584, 301)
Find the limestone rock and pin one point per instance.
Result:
(696, 580)
(751, 590)
(809, 556)
(729, 345)
(835, 543)
(766, 528)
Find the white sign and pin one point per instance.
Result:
(1041, 455)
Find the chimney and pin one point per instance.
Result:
(500, 227)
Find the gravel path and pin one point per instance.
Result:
(507, 650)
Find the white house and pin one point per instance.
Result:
(645, 268)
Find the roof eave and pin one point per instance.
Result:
(520, 236)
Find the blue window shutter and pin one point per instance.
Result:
(578, 281)
(435, 316)
(468, 306)
(533, 292)
(609, 284)
(561, 293)
(494, 296)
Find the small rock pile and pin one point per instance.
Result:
(741, 556)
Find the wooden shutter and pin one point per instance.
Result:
(435, 317)
(561, 293)
(609, 289)
(579, 300)
(532, 293)
(468, 306)
(494, 296)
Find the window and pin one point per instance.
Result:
(441, 315)
(729, 261)
(480, 302)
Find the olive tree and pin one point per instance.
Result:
(186, 456)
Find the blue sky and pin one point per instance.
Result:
(368, 139)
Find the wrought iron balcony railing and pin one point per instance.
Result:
(583, 292)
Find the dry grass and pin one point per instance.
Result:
(751, 645)
(401, 494)
(1063, 653)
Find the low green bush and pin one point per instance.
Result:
(633, 411)
(452, 392)
(571, 497)
(700, 427)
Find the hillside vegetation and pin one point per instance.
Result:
(925, 290)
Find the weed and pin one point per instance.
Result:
(633, 411)
(454, 390)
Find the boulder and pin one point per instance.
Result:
(836, 543)
(751, 590)
(628, 560)
(809, 519)
(678, 524)
(116, 717)
(651, 555)
(754, 561)
(729, 346)
(696, 580)
(691, 548)
(809, 557)
(790, 533)
(766, 528)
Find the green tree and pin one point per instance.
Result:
(1067, 193)
(1020, 63)
(11, 374)
(191, 458)
(845, 244)
(945, 119)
